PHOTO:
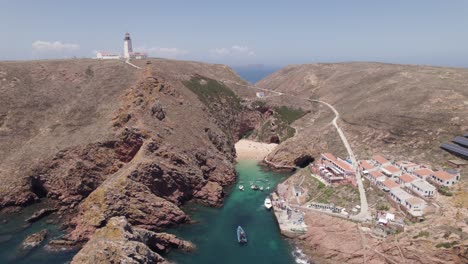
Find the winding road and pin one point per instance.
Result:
(364, 212)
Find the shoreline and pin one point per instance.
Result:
(252, 150)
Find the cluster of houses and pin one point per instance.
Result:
(406, 182)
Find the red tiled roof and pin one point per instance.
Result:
(406, 178)
(380, 159)
(390, 184)
(391, 169)
(329, 156)
(423, 172)
(376, 174)
(366, 165)
(344, 165)
(445, 176)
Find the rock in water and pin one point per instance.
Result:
(34, 240)
(119, 242)
(40, 214)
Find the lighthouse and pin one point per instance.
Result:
(127, 46)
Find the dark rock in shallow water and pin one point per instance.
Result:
(40, 214)
(61, 245)
(34, 240)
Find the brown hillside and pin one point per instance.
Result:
(403, 111)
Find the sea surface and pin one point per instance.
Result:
(215, 231)
(15, 230)
(254, 73)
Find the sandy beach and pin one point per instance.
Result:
(251, 150)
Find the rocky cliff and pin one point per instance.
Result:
(106, 140)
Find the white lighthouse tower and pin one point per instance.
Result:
(127, 46)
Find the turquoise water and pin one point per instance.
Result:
(13, 232)
(215, 231)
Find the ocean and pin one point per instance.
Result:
(254, 73)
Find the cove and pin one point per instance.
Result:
(14, 229)
(214, 232)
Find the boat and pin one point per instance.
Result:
(254, 187)
(267, 203)
(241, 235)
(268, 187)
(261, 188)
(241, 187)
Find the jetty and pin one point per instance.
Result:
(290, 220)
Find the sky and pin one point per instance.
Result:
(241, 32)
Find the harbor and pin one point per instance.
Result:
(215, 230)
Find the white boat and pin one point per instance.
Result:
(261, 188)
(267, 203)
(241, 187)
(268, 187)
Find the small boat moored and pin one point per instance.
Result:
(241, 187)
(267, 203)
(241, 236)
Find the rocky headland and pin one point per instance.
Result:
(101, 139)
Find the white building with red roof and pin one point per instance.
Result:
(366, 167)
(444, 178)
(407, 166)
(423, 173)
(406, 179)
(376, 177)
(391, 171)
(389, 184)
(337, 165)
(380, 161)
(105, 55)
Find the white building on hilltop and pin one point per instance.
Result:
(127, 46)
(127, 52)
(128, 49)
(104, 55)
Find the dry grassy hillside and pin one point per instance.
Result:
(403, 111)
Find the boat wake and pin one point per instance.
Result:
(300, 257)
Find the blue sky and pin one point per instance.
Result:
(241, 32)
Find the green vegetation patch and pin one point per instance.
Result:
(383, 207)
(422, 234)
(445, 191)
(289, 115)
(210, 91)
(447, 244)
